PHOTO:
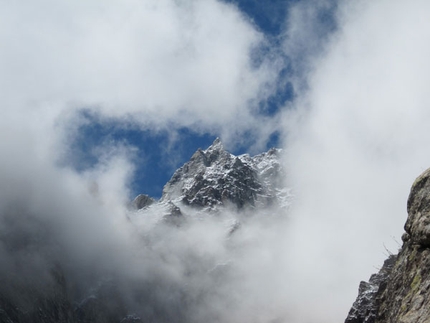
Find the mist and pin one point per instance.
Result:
(354, 139)
(356, 143)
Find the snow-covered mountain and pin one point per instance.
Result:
(214, 179)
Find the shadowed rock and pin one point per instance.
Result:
(141, 201)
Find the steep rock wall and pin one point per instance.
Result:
(401, 294)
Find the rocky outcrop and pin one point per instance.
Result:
(214, 177)
(401, 291)
(364, 309)
(141, 201)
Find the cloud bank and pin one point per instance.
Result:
(358, 142)
(355, 139)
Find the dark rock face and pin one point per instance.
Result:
(141, 201)
(417, 226)
(401, 293)
(53, 302)
(364, 309)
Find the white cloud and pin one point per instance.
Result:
(156, 63)
(360, 144)
(186, 61)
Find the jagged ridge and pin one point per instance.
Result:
(214, 177)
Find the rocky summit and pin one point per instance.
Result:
(400, 292)
(214, 177)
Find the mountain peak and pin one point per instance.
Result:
(215, 177)
(215, 151)
(216, 145)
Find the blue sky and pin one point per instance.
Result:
(157, 156)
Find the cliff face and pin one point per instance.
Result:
(400, 292)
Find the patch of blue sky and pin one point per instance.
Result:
(281, 95)
(156, 154)
(268, 15)
(327, 18)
